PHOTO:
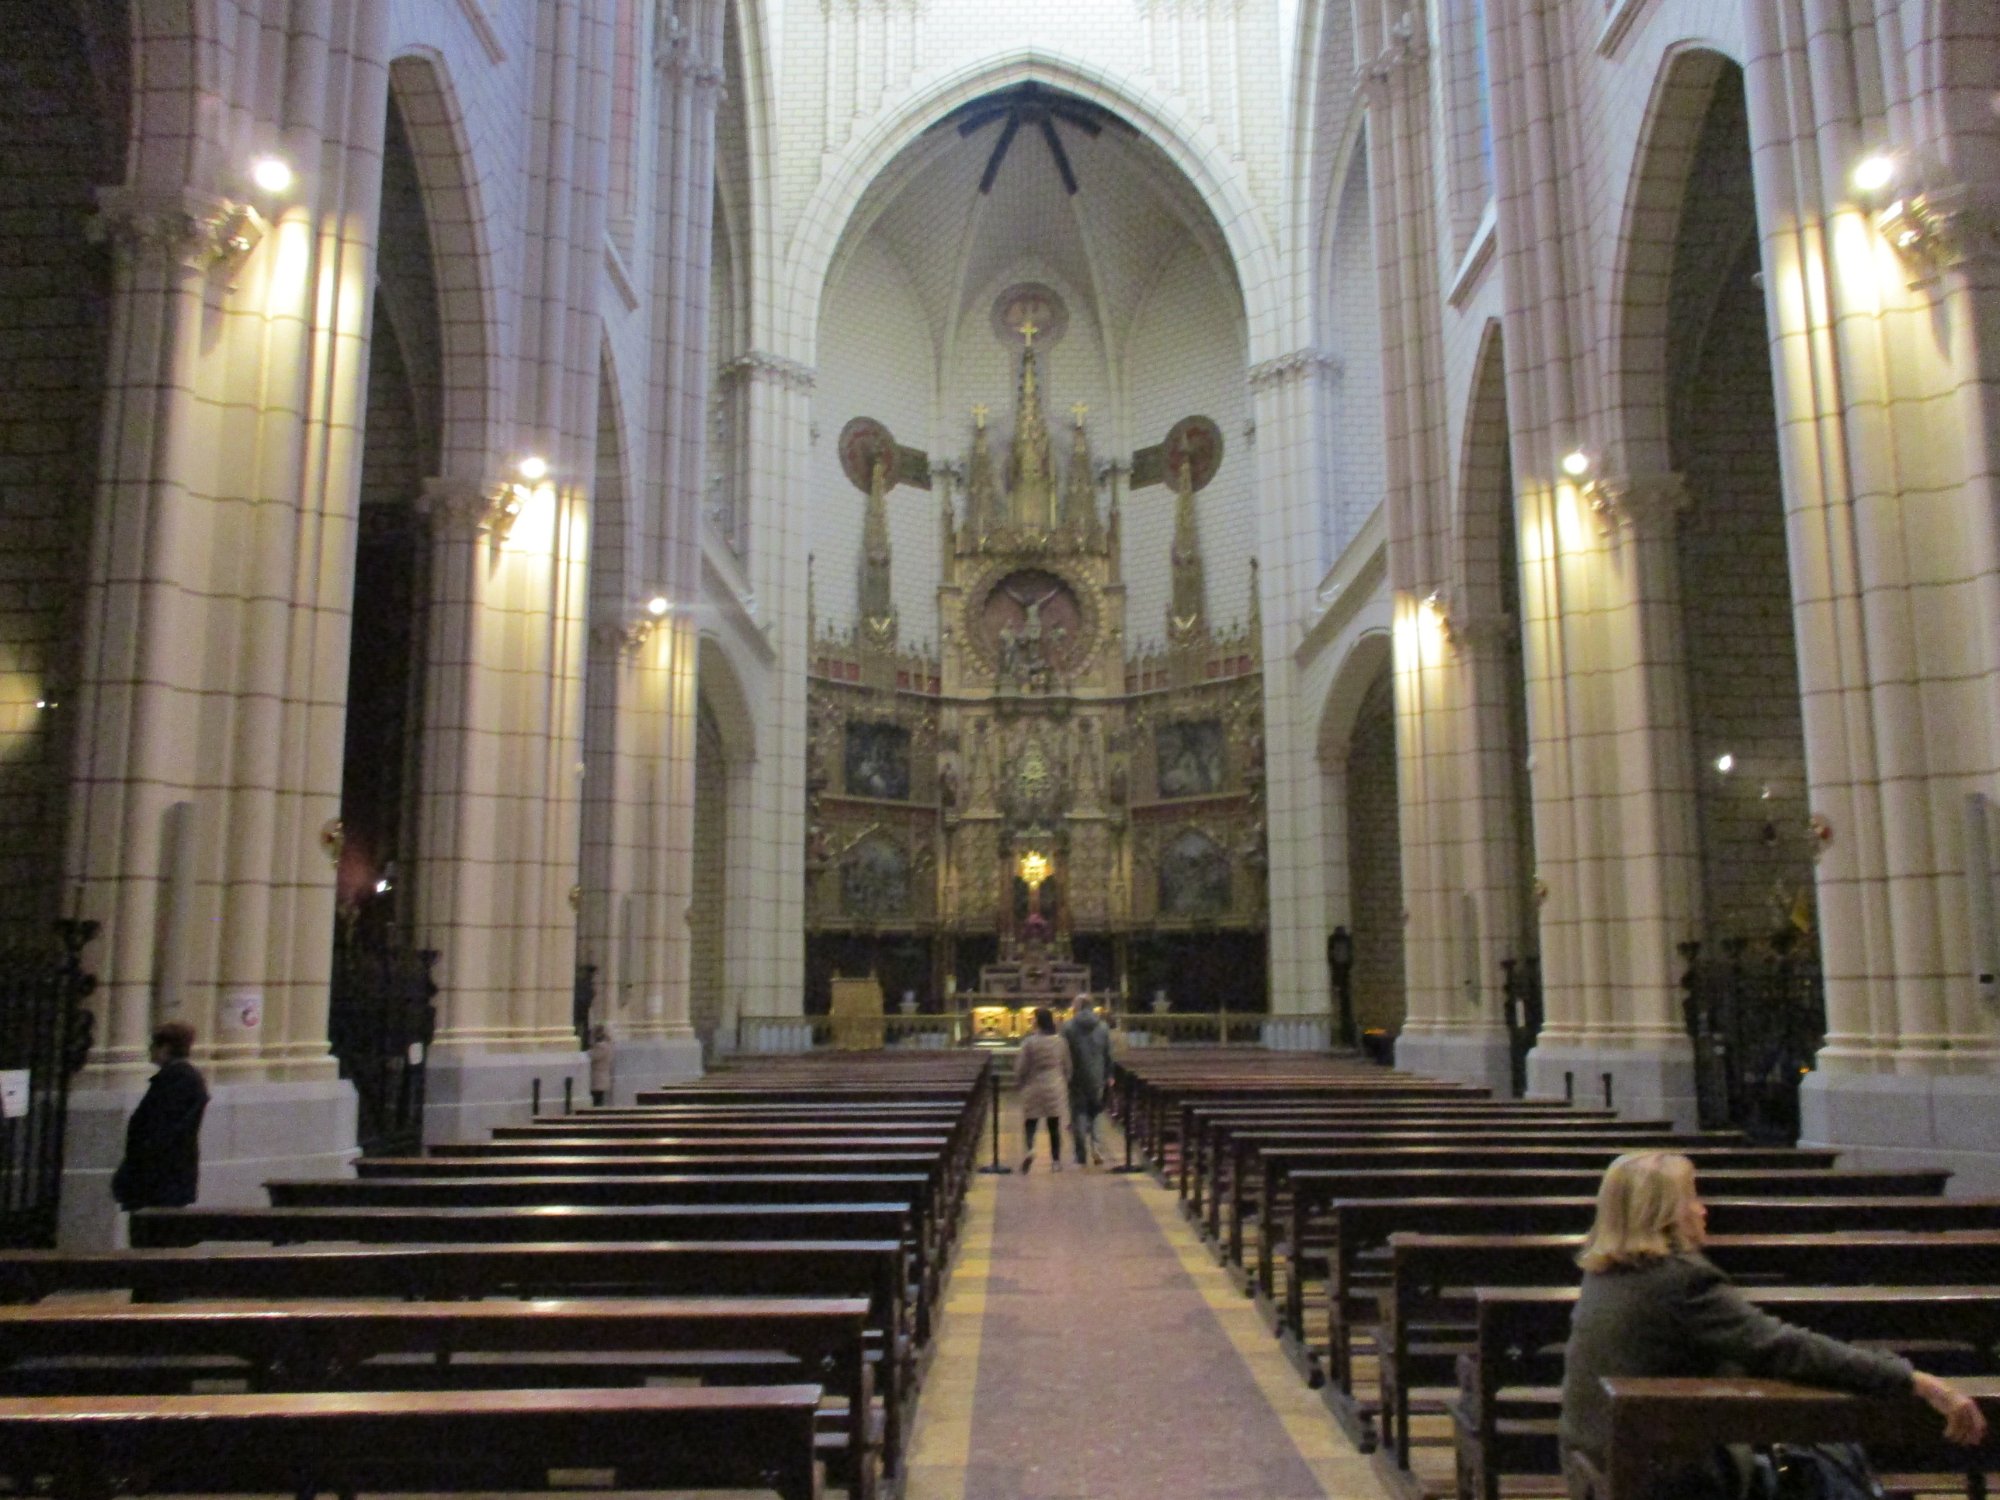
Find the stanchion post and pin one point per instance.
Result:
(996, 1169)
(1125, 1122)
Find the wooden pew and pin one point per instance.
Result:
(1272, 1168)
(1363, 1229)
(164, 1227)
(1243, 1147)
(1313, 1193)
(1202, 1124)
(1657, 1425)
(88, 1448)
(457, 1272)
(63, 1350)
(1157, 1106)
(913, 1189)
(1509, 1380)
(1432, 1278)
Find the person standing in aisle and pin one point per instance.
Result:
(1042, 1074)
(1089, 1042)
(162, 1165)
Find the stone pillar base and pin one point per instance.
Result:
(252, 1133)
(1889, 1120)
(647, 1062)
(1652, 1082)
(467, 1093)
(1479, 1057)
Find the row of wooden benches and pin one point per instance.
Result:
(1443, 1227)
(777, 1236)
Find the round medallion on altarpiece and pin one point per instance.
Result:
(1030, 302)
(861, 442)
(1029, 619)
(1198, 441)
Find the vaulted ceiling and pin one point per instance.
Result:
(1131, 211)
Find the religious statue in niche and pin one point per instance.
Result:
(875, 880)
(1190, 758)
(878, 761)
(1194, 876)
(1032, 624)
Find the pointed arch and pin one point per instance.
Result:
(1484, 480)
(462, 261)
(1191, 146)
(1683, 88)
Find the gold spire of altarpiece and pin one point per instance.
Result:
(1034, 496)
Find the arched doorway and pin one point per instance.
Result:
(380, 1017)
(62, 135)
(1375, 863)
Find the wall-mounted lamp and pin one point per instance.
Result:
(657, 606)
(1873, 173)
(272, 174)
(1725, 763)
(1576, 463)
(534, 468)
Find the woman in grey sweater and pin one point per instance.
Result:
(1652, 1304)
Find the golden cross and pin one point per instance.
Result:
(1079, 411)
(979, 414)
(1028, 332)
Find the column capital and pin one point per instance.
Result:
(760, 366)
(1640, 500)
(1298, 364)
(198, 230)
(462, 507)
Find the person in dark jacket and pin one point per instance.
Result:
(1090, 1069)
(162, 1165)
(1652, 1304)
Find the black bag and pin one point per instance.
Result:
(1816, 1471)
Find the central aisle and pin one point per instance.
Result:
(1089, 1347)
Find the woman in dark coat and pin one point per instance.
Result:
(162, 1165)
(1652, 1304)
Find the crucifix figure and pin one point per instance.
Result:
(1028, 332)
(979, 414)
(1080, 411)
(1031, 626)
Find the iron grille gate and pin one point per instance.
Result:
(1756, 1020)
(45, 1035)
(380, 1020)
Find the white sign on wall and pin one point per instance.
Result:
(14, 1085)
(243, 1010)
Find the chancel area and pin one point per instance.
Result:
(633, 613)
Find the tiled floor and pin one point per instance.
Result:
(1089, 1347)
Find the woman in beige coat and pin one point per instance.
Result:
(1042, 1074)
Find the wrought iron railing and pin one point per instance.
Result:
(767, 1034)
(1756, 1016)
(1522, 987)
(380, 1021)
(45, 1035)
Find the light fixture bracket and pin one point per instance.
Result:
(1935, 230)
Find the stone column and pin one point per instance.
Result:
(1895, 561)
(768, 905)
(499, 749)
(216, 611)
(1288, 393)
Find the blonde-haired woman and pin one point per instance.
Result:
(1652, 1304)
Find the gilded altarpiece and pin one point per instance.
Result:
(1070, 810)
